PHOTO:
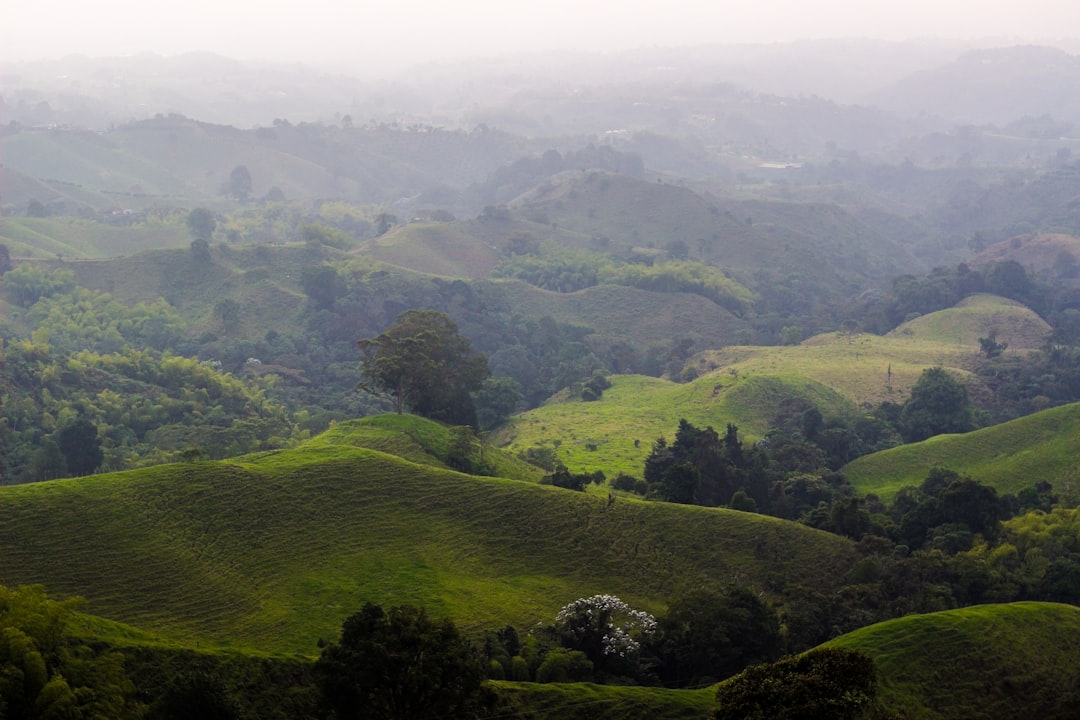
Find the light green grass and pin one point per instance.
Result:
(640, 408)
(273, 552)
(869, 369)
(992, 662)
(586, 701)
(978, 316)
(78, 238)
(1010, 456)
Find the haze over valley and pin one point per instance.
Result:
(518, 360)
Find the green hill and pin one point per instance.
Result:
(77, 238)
(272, 551)
(1010, 456)
(616, 432)
(977, 316)
(998, 662)
(744, 235)
(869, 369)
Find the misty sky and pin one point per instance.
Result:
(401, 32)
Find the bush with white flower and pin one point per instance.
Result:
(603, 627)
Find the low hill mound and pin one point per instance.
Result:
(1010, 456)
(1053, 256)
(978, 316)
(615, 433)
(992, 662)
(745, 235)
(421, 441)
(273, 551)
(864, 369)
(616, 312)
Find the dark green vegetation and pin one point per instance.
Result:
(398, 665)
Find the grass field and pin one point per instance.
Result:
(988, 662)
(614, 434)
(1010, 456)
(75, 238)
(272, 551)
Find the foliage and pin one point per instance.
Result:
(707, 636)
(683, 276)
(824, 684)
(44, 674)
(201, 222)
(605, 629)
(938, 404)
(426, 365)
(29, 283)
(398, 665)
(136, 408)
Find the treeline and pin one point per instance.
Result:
(568, 270)
(68, 414)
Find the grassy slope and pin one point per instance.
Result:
(977, 316)
(77, 238)
(996, 662)
(869, 369)
(639, 316)
(1010, 456)
(417, 440)
(643, 408)
(530, 701)
(273, 551)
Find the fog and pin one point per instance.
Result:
(379, 37)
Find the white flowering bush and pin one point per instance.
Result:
(603, 625)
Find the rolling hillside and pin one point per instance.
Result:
(988, 662)
(869, 369)
(270, 552)
(1010, 456)
(615, 433)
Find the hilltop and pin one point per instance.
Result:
(1010, 456)
(272, 551)
(993, 662)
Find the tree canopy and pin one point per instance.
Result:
(427, 366)
(398, 665)
(938, 404)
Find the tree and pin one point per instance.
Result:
(707, 636)
(498, 399)
(323, 285)
(201, 223)
(35, 208)
(603, 627)
(425, 365)
(398, 665)
(228, 310)
(79, 442)
(5, 259)
(938, 404)
(239, 184)
(823, 684)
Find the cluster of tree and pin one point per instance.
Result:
(567, 270)
(74, 413)
(45, 674)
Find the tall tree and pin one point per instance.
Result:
(201, 223)
(398, 665)
(426, 365)
(79, 442)
(938, 404)
(5, 259)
